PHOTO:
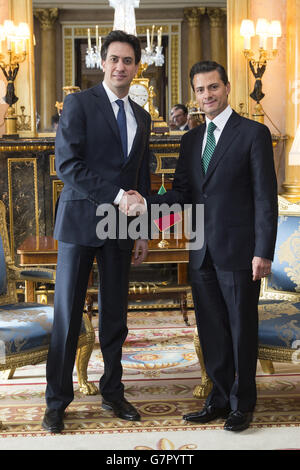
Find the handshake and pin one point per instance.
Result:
(132, 203)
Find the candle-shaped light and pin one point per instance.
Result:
(159, 36)
(148, 38)
(262, 30)
(89, 38)
(23, 34)
(275, 32)
(152, 36)
(97, 37)
(247, 31)
(9, 29)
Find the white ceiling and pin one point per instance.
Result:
(104, 4)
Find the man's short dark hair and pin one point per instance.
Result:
(180, 106)
(208, 66)
(121, 36)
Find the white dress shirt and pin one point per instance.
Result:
(130, 121)
(220, 122)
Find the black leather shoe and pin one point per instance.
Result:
(53, 421)
(122, 409)
(238, 421)
(209, 413)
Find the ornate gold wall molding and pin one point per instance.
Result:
(71, 32)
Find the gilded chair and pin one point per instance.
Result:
(279, 303)
(25, 328)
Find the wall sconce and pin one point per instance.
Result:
(11, 55)
(263, 30)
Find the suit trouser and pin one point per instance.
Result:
(227, 320)
(74, 265)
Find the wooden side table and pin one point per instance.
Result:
(42, 251)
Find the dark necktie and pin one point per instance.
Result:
(209, 147)
(121, 120)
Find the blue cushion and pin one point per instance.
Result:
(2, 269)
(286, 265)
(38, 273)
(279, 323)
(26, 327)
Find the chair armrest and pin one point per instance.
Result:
(32, 274)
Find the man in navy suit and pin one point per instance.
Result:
(227, 166)
(101, 151)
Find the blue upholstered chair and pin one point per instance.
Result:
(25, 328)
(279, 304)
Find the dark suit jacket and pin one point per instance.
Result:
(90, 162)
(239, 193)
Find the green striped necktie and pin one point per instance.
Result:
(209, 147)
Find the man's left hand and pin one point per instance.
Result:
(261, 267)
(141, 251)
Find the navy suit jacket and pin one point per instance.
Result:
(90, 162)
(239, 193)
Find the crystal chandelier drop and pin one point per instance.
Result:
(124, 20)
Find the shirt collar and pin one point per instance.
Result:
(112, 96)
(183, 126)
(221, 119)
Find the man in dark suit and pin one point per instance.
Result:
(179, 115)
(101, 151)
(227, 166)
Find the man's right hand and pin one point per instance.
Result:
(132, 203)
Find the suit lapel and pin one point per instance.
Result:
(105, 107)
(140, 127)
(196, 153)
(229, 133)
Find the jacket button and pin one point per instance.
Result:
(205, 196)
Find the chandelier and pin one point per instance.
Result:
(124, 20)
(93, 54)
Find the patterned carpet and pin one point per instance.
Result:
(160, 373)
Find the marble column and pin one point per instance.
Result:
(217, 20)
(291, 186)
(47, 18)
(192, 16)
(237, 66)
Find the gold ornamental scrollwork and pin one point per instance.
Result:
(47, 17)
(217, 17)
(192, 15)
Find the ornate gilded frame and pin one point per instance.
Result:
(71, 31)
(284, 208)
(10, 168)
